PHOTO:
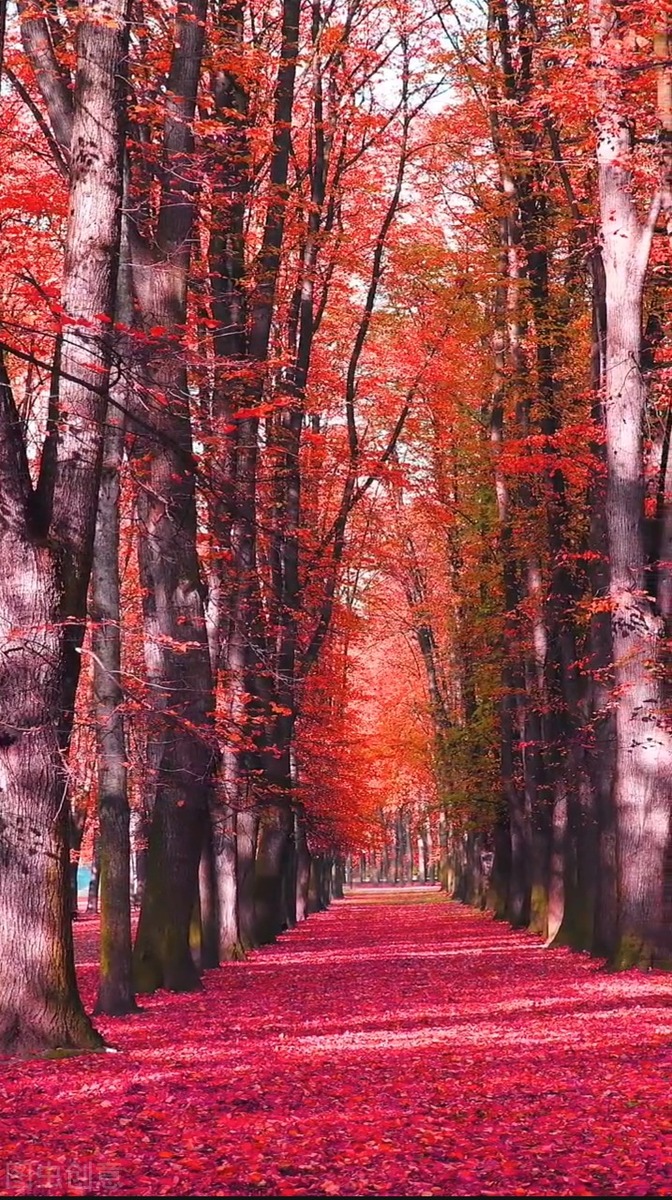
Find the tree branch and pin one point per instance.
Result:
(52, 79)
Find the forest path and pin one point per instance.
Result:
(397, 1043)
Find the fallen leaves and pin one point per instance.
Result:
(394, 1045)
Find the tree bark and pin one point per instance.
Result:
(94, 881)
(225, 861)
(208, 904)
(303, 867)
(47, 546)
(275, 835)
(643, 762)
(173, 591)
(247, 831)
(115, 991)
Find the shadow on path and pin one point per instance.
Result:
(397, 1044)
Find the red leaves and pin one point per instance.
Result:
(382, 1048)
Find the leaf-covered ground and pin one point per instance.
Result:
(397, 1044)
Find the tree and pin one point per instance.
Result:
(47, 536)
(643, 747)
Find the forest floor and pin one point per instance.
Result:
(397, 1044)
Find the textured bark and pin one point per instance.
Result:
(303, 868)
(285, 455)
(166, 503)
(338, 879)
(225, 861)
(318, 884)
(40, 1008)
(247, 830)
(498, 884)
(208, 905)
(518, 889)
(601, 752)
(249, 692)
(173, 592)
(76, 828)
(162, 954)
(272, 863)
(643, 763)
(226, 260)
(115, 993)
(174, 612)
(94, 881)
(139, 842)
(52, 78)
(47, 545)
(570, 831)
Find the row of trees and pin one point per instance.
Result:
(542, 492)
(197, 242)
(335, 446)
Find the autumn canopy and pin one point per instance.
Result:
(335, 478)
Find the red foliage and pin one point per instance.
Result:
(397, 1044)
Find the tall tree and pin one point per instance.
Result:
(47, 544)
(643, 763)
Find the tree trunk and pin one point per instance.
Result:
(94, 882)
(47, 546)
(601, 751)
(289, 875)
(326, 877)
(173, 592)
(162, 955)
(113, 844)
(273, 852)
(139, 823)
(339, 879)
(208, 904)
(315, 899)
(643, 753)
(76, 829)
(497, 896)
(225, 861)
(247, 831)
(303, 861)
(173, 603)
(643, 763)
(41, 1009)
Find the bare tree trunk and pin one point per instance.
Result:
(173, 591)
(497, 895)
(115, 992)
(94, 881)
(339, 878)
(174, 610)
(208, 904)
(303, 868)
(247, 832)
(225, 861)
(139, 822)
(601, 753)
(76, 829)
(248, 698)
(271, 865)
(314, 900)
(643, 766)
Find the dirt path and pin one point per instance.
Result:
(395, 1044)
